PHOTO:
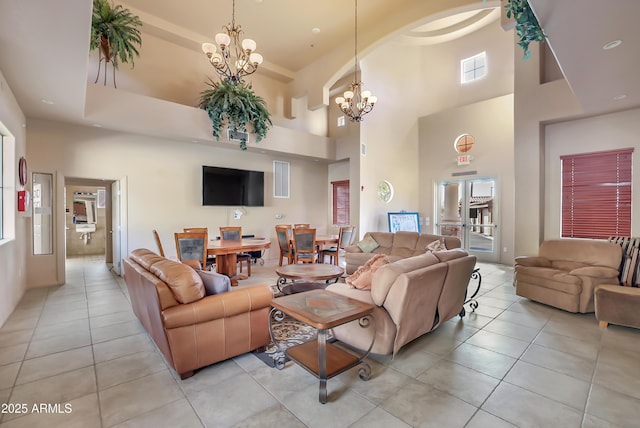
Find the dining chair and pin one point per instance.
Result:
(191, 246)
(283, 233)
(304, 245)
(211, 260)
(158, 243)
(344, 239)
(234, 233)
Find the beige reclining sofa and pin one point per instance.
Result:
(412, 296)
(566, 272)
(398, 245)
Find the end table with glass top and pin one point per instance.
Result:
(323, 310)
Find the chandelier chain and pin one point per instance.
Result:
(356, 103)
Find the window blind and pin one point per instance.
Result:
(596, 194)
(340, 202)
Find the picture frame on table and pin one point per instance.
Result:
(404, 221)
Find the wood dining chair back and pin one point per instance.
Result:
(304, 245)
(192, 246)
(231, 233)
(344, 239)
(283, 233)
(234, 233)
(211, 260)
(158, 243)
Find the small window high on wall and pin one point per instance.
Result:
(340, 201)
(473, 68)
(596, 194)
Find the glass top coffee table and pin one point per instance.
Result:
(323, 310)
(310, 272)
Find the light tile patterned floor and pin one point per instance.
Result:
(511, 363)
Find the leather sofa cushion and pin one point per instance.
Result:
(145, 258)
(183, 281)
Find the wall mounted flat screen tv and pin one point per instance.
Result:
(229, 187)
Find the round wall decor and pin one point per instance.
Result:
(464, 143)
(22, 171)
(385, 191)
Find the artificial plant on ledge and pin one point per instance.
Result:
(527, 26)
(115, 33)
(236, 106)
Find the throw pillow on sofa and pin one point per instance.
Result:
(368, 244)
(363, 276)
(437, 245)
(214, 283)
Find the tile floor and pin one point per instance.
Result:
(79, 348)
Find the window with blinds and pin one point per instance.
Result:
(596, 194)
(340, 201)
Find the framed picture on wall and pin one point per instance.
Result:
(404, 221)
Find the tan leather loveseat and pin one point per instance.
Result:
(566, 272)
(412, 296)
(398, 245)
(193, 330)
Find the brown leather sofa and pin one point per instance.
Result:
(413, 296)
(566, 272)
(190, 329)
(398, 245)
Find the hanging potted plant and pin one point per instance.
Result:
(115, 33)
(527, 26)
(237, 107)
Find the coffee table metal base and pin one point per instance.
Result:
(323, 360)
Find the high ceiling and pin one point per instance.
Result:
(44, 44)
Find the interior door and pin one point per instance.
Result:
(119, 223)
(468, 209)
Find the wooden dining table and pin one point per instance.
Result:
(226, 252)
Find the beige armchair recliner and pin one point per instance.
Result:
(566, 272)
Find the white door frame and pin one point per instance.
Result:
(462, 226)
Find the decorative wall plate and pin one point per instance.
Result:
(385, 191)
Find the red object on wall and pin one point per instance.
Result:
(22, 200)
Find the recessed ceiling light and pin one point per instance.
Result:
(611, 45)
(48, 102)
(315, 30)
(620, 97)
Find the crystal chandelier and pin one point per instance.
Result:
(235, 60)
(356, 102)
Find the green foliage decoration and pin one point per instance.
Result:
(236, 106)
(527, 26)
(114, 30)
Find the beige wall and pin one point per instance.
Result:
(415, 81)
(491, 123)
(164, 180)
(606, 132)
(13, 248)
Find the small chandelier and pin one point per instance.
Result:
(356, 102)
(245, 62)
